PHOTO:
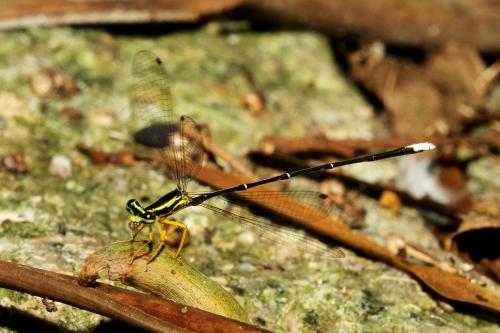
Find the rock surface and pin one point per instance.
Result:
(59, 221)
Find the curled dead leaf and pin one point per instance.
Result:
(166, 277)
(477, 237)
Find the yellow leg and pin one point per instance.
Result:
(184, 233)
(136, 253)
(162, 237)
(163, 233)
(137, 232)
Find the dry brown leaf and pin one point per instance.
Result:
(452, 178)
(477, 237)
(167, 277)
(435, 97)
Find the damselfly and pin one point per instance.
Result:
(152, 101)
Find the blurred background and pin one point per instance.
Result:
(274, 85)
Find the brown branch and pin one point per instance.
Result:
(28, 13)
(137, 309)
(410, 23)
(351, 147)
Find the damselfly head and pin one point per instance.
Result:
(138, 214)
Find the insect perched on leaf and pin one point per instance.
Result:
(153, 103)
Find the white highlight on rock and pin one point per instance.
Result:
(422, 146)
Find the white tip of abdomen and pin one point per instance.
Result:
(422, 146)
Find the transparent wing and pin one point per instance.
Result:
(192, 151)
(279, 203)
(158, 126)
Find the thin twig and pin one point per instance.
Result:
(255, 101)
(211, 147)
